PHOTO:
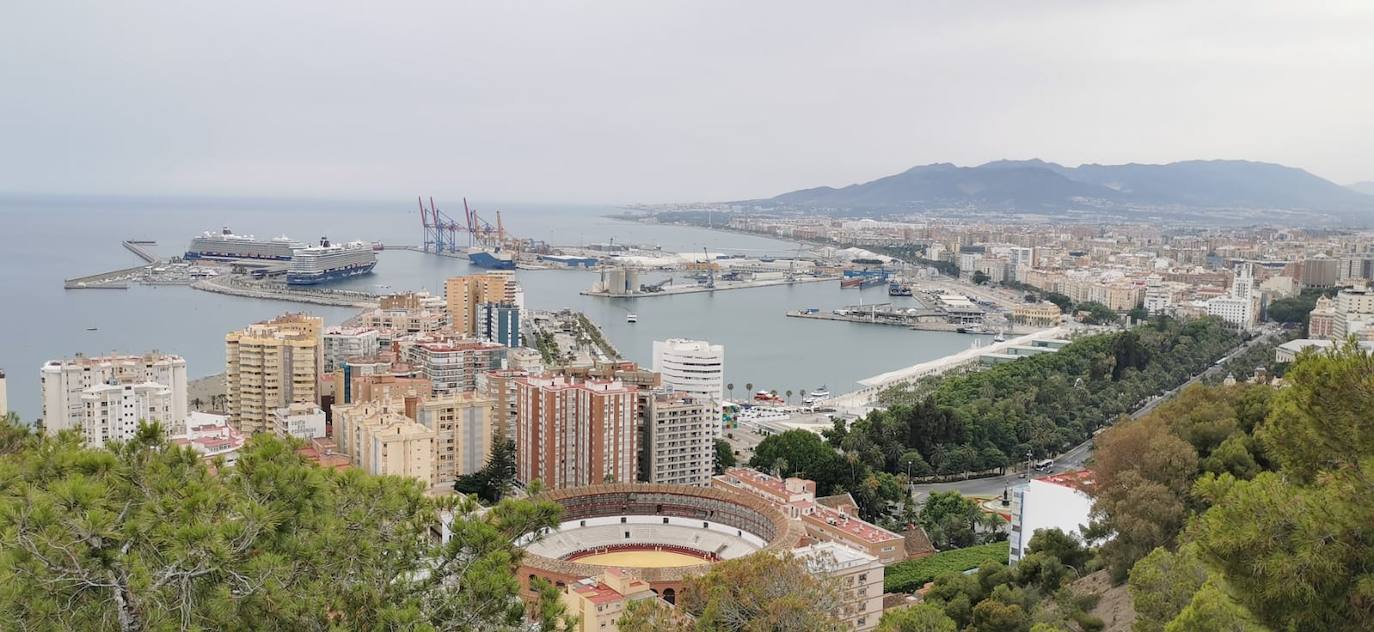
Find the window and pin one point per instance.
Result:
(665, 521)
(627, 535)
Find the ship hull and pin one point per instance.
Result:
(336, 274)
(486, 260)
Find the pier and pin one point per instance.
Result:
(674, 290)
(278, 292)
(136, 246)
(117, 279)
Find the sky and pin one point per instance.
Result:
(635, 101)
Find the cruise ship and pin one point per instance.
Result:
(491, 258)
(226, 245)
(329, 262)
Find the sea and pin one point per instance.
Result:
(48, 239)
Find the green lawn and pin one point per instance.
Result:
(905, 577)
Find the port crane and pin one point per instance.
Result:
(440, 230)
(792, 267)
(710, 269)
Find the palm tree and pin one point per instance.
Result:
(197, 403)
(789, 396)
(749, 386)
(731, 387)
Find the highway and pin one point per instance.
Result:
(1075, 457)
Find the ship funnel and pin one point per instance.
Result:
(324, 241)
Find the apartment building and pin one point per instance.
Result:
(677, 445)
(859, 577)
(464, 294)
(342, 343)
(463, 432)
(696, 367)
(114, 410)
(499, 323)
(499, 387)
(453, 367)
(66, 382)
(599, 602)
(270, 365)
(379, 439)
(571, 432)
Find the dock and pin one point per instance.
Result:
(671, 290)
(276, 292)
(117, 279)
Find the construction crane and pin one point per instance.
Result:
(792, 267)
(710, 269)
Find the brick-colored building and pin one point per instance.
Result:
(572, 432)
(270, 365)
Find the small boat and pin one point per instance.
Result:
(898, 289)
(631, 318)
(816, 396)
(92, 329)
(999, 337)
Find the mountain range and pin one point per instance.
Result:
(1046, 187)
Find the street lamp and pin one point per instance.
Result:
(1028, 464)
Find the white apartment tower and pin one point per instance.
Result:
(695, 367)
(1241, 306)
(66, 382)
(114, 410)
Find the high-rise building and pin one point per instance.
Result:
(380, 440)
(463, 432)
(677, 445)
(65, 382)
(270, 365)
(1320, 271)
(1354, 312)
(342, 343)
(575, 432)
(1241, 306)
(464, 293)
(693, 366)
(453, 367)
(499, 323)
(114, 410)
(499, 387)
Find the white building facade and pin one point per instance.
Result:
(304, 421)
(1054, 502)
(695, 367)
(65, 383)
(113, 411)
(1241, 306)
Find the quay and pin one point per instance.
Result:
(916, 318)
(136, 246)
(671, 290)
(339, 298)
(116, 279)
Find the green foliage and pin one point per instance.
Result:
(917, 618)
(987, 420)
(908, 576)
(1295, 309)
(951, 520)
(1212, 610)
(1066, 547)
(991, 615)
(725, 455)
(1324, 420)
(1063, 302)
(1162, 585)
(801, 453)
(980, 277)
(762, 592)
(1097, 313)
(495, 479)
(145, 536)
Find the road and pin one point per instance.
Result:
(1075, 457)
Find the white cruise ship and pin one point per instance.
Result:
(329, 262)
(226, 245)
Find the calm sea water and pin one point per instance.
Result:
(47, 240)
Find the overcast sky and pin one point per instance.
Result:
(660, 101)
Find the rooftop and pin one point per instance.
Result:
(1081, 480)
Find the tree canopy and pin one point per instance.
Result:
(145, 535)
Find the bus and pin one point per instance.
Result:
(1044, 465)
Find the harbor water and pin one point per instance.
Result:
(49, 240)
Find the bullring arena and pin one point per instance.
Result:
(662, 534)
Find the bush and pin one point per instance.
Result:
(905, 577)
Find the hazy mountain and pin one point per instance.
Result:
(1366, 187)
(1039, 186)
